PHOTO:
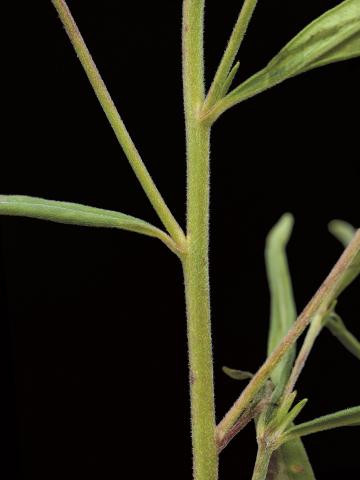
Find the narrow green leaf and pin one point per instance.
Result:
(343, 418)
(229, 79)
(284, 415)
(73, 213)
(290, 462)
(343, 231)
(283, 409)
(346, 338)
(332, 37)
(294, 412)
(283, 309)
(237, 374)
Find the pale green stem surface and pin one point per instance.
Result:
(315, 328)
(230, 53)
(346, 338)
(195, 244)
(117, 124)
(262, 462)
(195, 262)
(319, 304)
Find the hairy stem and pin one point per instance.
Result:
(315, 328)
(195, 262)
(230, 53)
(319, 304)
(262, 461)
(249, 414)
(117, 124)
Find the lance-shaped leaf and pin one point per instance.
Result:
(350, 417)
(237, 374)
(283, 310)
(285, 414)
(294, 412)
(332, 37)
(290, 462)
(73, 213)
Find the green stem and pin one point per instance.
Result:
(118, 126)
(195, 262)
(319, 305)
(262, 461)
(315, 328)
(346, 338)
(230, 53)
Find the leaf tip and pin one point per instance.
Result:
(282, 229)
(237, 374)
(341, 230)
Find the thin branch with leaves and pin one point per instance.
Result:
(269, 397)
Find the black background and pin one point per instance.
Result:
(94, 332)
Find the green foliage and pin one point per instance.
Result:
(291, 456)
(225, 72)
(349, 271)
(290, 462)
(237, 374)
(229, 79)
(344, 418)
(287, 459)
(283, 309)
(269, 395)
(332, 37)
(292, 414)
(343, 231)
(75, 214)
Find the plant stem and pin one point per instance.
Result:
(250, 413)
(195, 262)
(346, 338)
(117, 124)
(230, 53)
(318, 305)
(262, 461)
(315, 328)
